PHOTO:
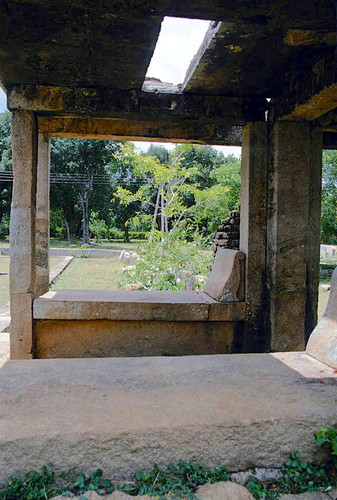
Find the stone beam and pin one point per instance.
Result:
(135, 104)
(311, 94)
(301, 15)
(131, 130)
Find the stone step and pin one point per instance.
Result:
(125, 414)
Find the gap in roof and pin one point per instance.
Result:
(178, 41)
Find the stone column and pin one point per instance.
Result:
(293, 233)
(42, 217)
(22, 233)
(253, 231)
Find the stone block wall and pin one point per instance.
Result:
(228, 232)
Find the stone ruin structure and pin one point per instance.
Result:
(264, 78)
(228, 233)
(77, 72)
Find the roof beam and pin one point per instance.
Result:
(135, 104)
(133, 130)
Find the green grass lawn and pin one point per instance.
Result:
(4, 279)
(90, 274)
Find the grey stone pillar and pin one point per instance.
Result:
(22, 233)
(42, 217)
(253, 231)
(293, 233)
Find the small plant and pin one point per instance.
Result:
(179, 480)
(35, 486)
(298, 476)
(328, 439)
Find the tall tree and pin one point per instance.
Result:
(82, 165)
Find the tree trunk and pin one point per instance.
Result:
(84, 200)
(66, 223)
(126, 234)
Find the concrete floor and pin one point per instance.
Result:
(124, 414)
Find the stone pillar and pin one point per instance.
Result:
(253, 231)
(42, 217)
(293, 233)
(22, 233)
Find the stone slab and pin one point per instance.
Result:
(226, 279)
(131, 305)
(123, 415)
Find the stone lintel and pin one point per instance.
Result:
(309, 95)
(135, 104)
(133, 130)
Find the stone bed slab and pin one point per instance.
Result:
(125, 414)
(134, 305)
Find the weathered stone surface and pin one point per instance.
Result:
(223, 491)
(123, 415)
(41, 282)
(21, 326)
(131, 305)
(253, 231)
(322, 343)
(311, 95)
(135, 104)
(291, 256)
(187, 131)
(225, 282)
(103, 338)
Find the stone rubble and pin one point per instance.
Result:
(228, 232)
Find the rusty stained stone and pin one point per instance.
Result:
(310, 95)
(309, 37)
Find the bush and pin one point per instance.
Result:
(115, 234)
(98, 227)
(4, 227)
(138, 235)
(169, 267)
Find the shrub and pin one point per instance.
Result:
(169, 267)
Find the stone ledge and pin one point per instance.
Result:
(124, 414)
(131, 305)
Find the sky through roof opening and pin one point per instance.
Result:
(178, 42)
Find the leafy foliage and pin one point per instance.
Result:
(167, 267)
(180, 480)
(329, 197)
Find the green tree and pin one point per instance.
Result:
(86, 182)
(5, 166)
(329, 197)
(169, 182)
